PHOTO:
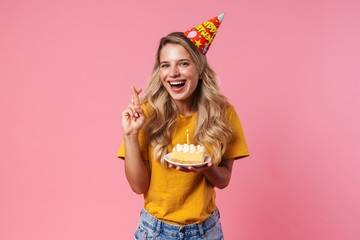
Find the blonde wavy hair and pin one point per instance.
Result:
(212, 126)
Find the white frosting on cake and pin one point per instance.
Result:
(186, 148)
(200, 149)
(189, 148)
(179, 148)
(192, 148)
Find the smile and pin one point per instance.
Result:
(177, 84)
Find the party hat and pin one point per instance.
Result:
(203, 35)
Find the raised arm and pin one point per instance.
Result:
(136, 169)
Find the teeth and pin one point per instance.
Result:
(176, 83)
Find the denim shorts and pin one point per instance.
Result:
(152, 228)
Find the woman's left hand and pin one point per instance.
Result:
(192, 169)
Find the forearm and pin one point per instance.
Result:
(136, 171)
(219, 176)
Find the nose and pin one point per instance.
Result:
(174, 72)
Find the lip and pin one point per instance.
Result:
(176, 90)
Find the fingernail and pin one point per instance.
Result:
(136, 115)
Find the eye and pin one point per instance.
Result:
(164, 65)
(184, 64)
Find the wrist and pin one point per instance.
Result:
(130, 136)
(211, 167)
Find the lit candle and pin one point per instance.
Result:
(187, 137)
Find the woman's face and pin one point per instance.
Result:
(178, 72)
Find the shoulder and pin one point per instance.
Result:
(229, 107)
(146, 107)
(229, 110)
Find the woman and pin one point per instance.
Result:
(182, 94)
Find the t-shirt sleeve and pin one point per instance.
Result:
(142, 143)
(237, 146)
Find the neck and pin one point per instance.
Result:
(185, 107)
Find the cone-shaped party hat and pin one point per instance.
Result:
(203, 35)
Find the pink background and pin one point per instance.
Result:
(291, 68)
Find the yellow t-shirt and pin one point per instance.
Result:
(184, 198)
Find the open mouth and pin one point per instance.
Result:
(177, 84)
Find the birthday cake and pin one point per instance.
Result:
(188, 154)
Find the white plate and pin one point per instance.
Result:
(206, 160)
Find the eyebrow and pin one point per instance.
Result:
(180, 60)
